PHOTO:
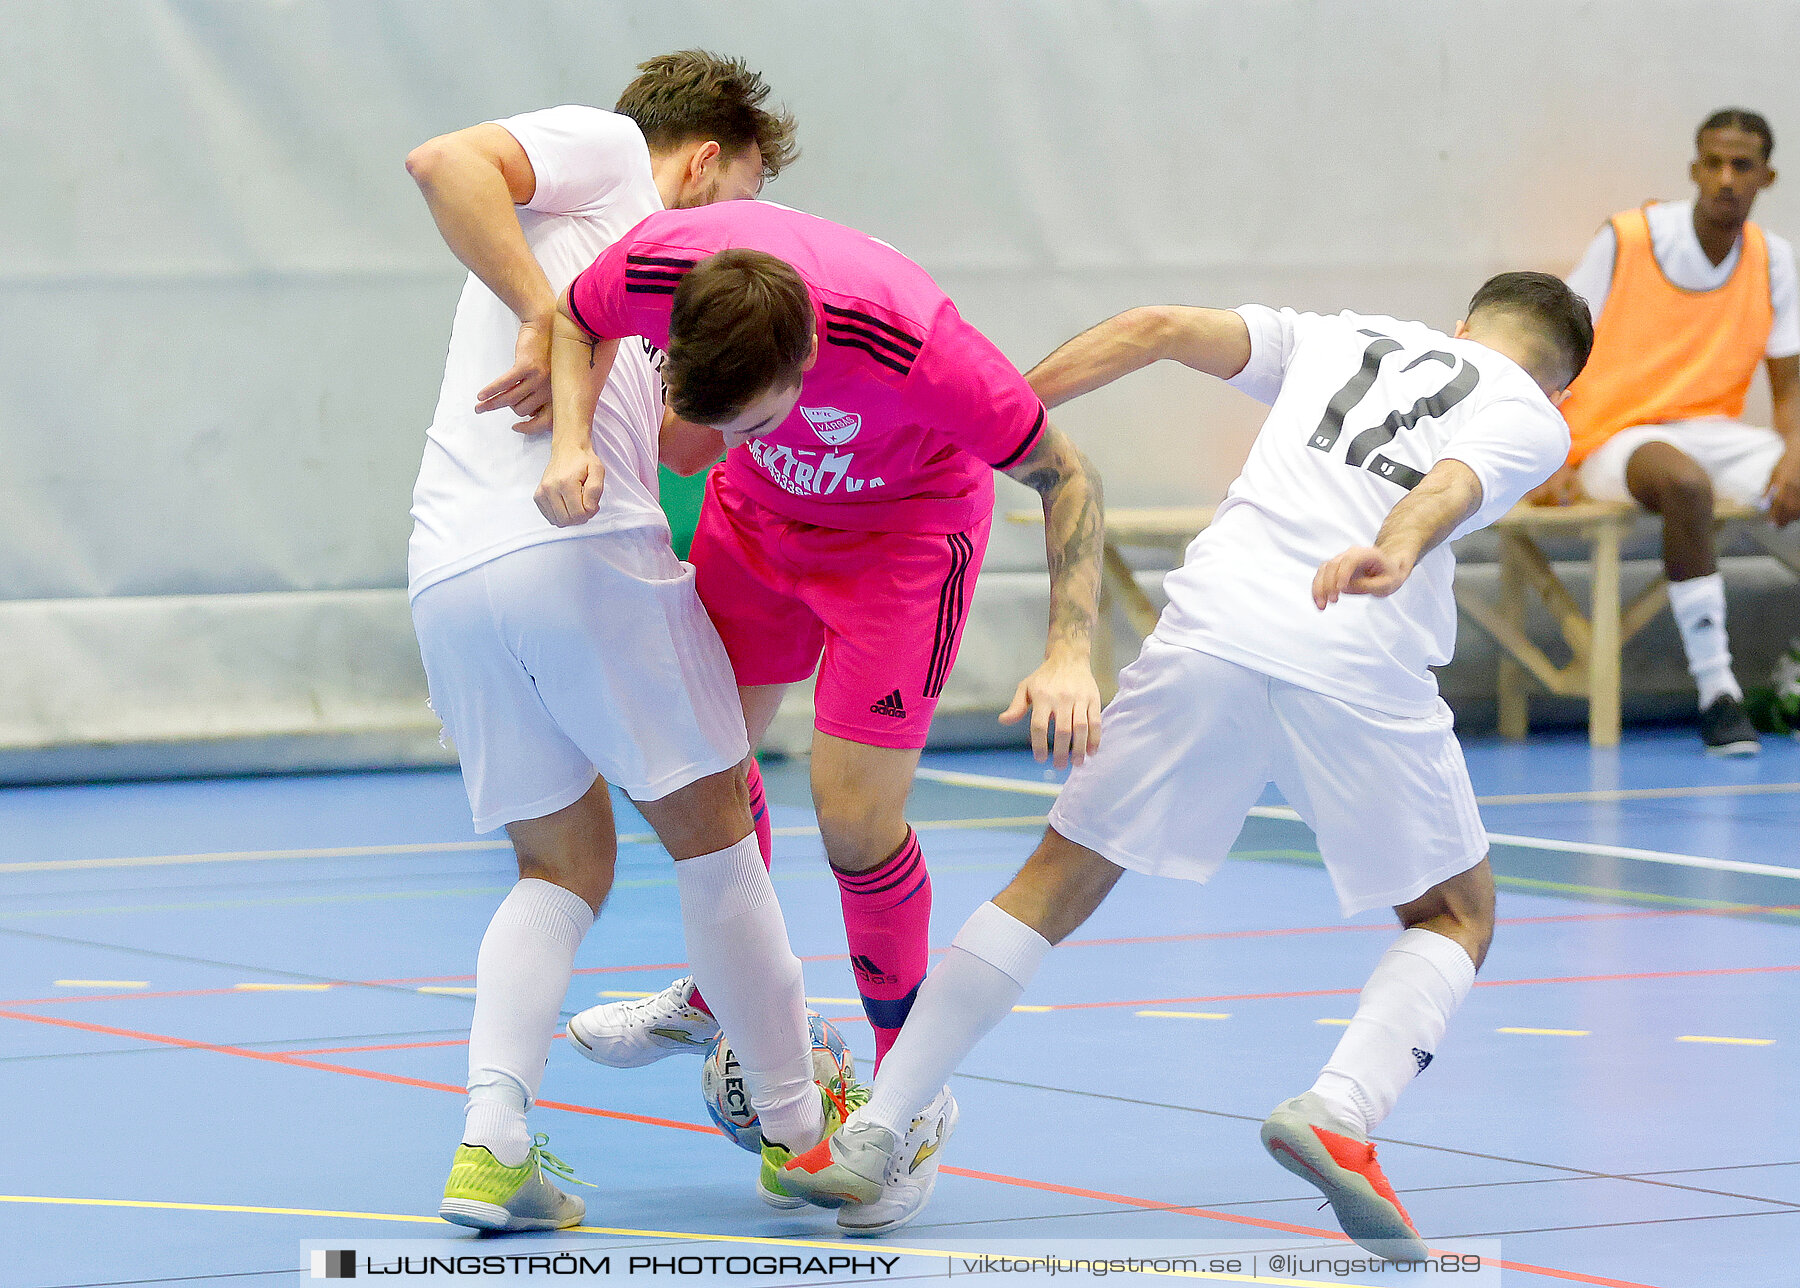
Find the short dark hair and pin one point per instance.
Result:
(1740, 118)
(741, 323)
(1556, 312)
(695, 94)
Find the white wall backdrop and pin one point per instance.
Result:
(223, 306)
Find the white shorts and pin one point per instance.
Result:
(1738, 458)
(570, 658)
(1192, 739)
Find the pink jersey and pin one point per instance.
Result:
(908, 410)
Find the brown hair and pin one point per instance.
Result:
(1546, 303)
(697, 95)
(741, 323)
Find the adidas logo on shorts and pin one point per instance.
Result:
(890, 706)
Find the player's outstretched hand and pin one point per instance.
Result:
(1365, 570)
(570, 490)
(526, 385)
(1061, 692)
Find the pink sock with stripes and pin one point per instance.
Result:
(765, 838)
(759, 813)
(887, 919)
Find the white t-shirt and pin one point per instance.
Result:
(1395, 397)
(473, 499)
(1677, 249)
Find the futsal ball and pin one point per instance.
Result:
(728, 1101)
(1787, 687)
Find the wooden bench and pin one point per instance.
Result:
(1595, 638)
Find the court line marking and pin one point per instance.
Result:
(1551, 1033)
(1606, 795)
(293, 1061)
(1230, 1218)
(1480, 983)
(100, 983)
(251, 856)
(860, 1246)
(1569, 1172)
(1693, 1037)
(1701, 972)
(994, 782)
(412, 983)
(1690, 905)
(1193, 937)
(386, 1046)
(1599, 795)
(957, 778)
(431, 847)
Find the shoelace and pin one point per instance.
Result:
(661, 1002)
(847, 1099)
(551, 1163)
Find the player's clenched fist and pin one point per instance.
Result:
(1364, 570)
(570, 490)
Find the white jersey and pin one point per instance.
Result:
(1677, 249)
(473, 499)
(1362, 408)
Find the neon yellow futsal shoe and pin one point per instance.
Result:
(840, 1098)
(484, 1193)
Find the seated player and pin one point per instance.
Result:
(1688, 297)
(865, 420)
(561, 658)
(1385, 440)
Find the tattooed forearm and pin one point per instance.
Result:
(1074, 536)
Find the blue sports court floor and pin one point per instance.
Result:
(233, 1014)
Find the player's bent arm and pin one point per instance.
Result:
(688, 448)
(579, 365)
(1063, 690)
(1421, 521)
(1215, 341)
(473, 180)
(1784, 483)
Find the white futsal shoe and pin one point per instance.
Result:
(643, 1030)
(876, 1181)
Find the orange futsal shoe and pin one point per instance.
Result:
(1303, 1137)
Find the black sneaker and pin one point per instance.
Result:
(1726, 730)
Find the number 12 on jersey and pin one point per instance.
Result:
(1364, 449)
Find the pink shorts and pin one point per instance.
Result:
(886, 609)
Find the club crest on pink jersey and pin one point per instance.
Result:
(831, 425)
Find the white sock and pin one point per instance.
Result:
(1699, 608)
(965, 995)
(521, 975)
(1400, 1019)
(738, 948)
